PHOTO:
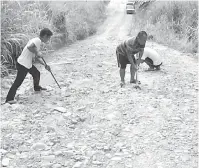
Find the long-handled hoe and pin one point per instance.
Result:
(51, 73)
(136, 78)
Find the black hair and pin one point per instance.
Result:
(45, 31)
(141, 33)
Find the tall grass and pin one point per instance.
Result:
(174, 23)
(22, 20)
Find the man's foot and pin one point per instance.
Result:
(11, 102)
(157, 68)
(134, 81)
(122, 83)
(138, 87)
(150, 69)
(39, 88)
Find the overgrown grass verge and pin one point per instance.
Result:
(172, 23)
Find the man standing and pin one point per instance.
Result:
(24, 64)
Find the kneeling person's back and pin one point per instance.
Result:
(151, 58)
(153, 55)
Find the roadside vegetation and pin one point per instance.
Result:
(69, 20)
(172, 23)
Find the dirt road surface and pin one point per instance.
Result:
(93, 123)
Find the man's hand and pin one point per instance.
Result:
(39, 55)
(134, 67)
(141, 52)
(47, 67)
(139, 61)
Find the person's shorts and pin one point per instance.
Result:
(122, 60)
(151, 62)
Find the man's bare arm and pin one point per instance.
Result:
(32, 48)
(130, 56)
(141, 53)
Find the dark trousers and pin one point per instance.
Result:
(149, 62)
(21, 74)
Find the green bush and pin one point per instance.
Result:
(174, 23)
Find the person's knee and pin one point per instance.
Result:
(37, 74)
(133, 69)
(148, 63)
(123, 66)
(122, 69)
(16, 84)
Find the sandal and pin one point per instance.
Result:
(134, 81)
(122, 84)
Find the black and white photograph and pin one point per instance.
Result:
(99, 84)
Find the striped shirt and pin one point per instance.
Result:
(130, 46)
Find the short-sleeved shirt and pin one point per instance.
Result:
(153, 55)
(26, 57)
(130, 46)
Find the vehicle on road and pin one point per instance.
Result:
(130, 8)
